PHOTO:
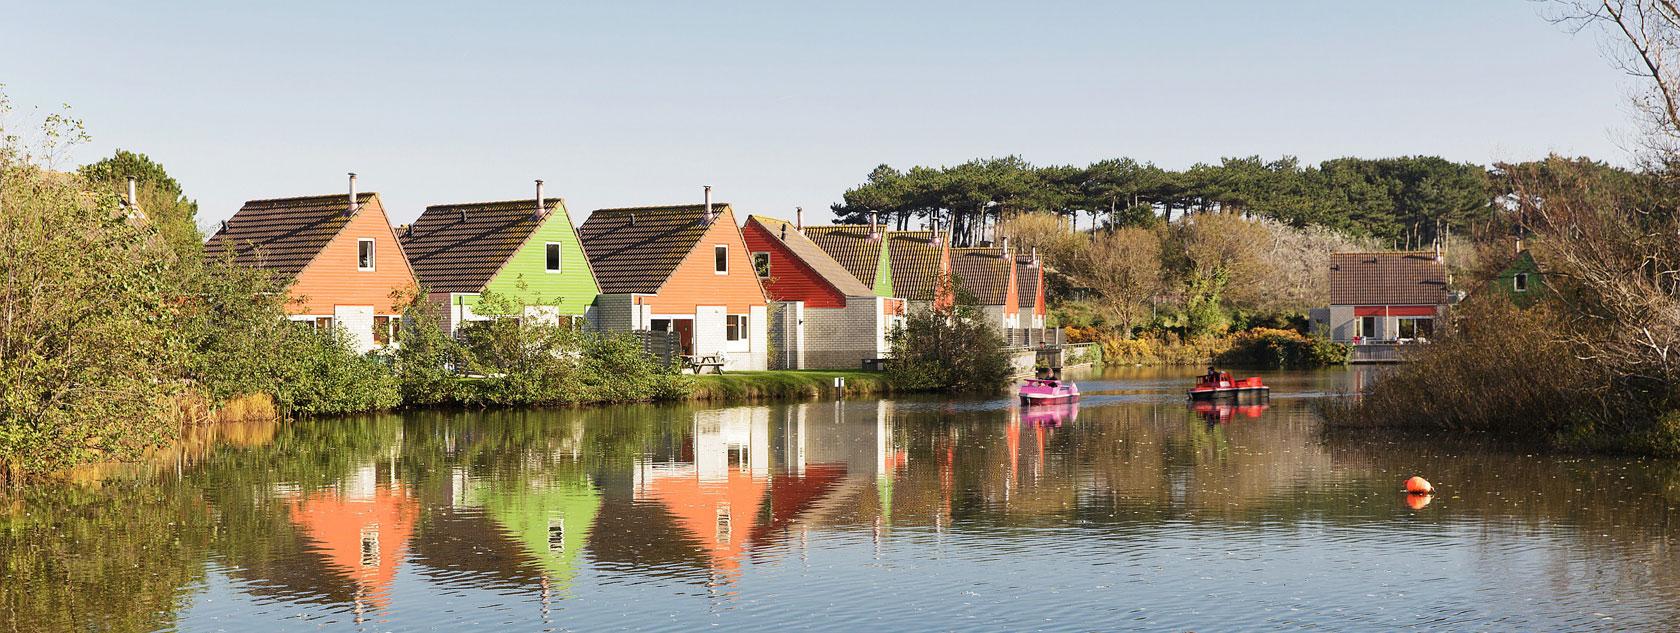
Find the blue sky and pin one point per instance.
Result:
(781, 104)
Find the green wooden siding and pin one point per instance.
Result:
(883, 273)
(571, 290)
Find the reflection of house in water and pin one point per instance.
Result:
(362, 527)
(715, 497)
(550, 515)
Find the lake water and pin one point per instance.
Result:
(1135, 512)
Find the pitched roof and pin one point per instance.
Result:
(984, 272)
(282, 234)
(1387, 279)
(813, 256)
(634, 249)
(460, 247)
(914, 256)
(1026, 283)
(851, 246)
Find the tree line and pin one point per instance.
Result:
(1405, 201)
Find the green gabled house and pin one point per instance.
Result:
(1520, 280)
(526, 251)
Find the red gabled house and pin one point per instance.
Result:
(826, 318)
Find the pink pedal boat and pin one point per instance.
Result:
(1039, 391)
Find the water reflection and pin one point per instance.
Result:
(1132, 510)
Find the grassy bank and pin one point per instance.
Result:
(753, 386)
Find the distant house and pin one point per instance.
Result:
(1520, 280)
(828, 319)
(918, 260)
(682, 269)
(1385, 297)
(520, 249)
(1029, 281)
(338, 254)
(989, 273)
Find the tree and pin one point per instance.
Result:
(1124, 268)
(951, 347)
(161, 199)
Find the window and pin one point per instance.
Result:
(370, 546)
(1412, 329)
(1368, 327)
(552, 263)
(364, 254)
(323, 324)
(1520, 282)
(761, 264)
(384, 330)
(735, 327)
(721, 254)
(660, 325)
(557, 534)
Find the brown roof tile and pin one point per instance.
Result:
(807, 251)
(282, 234)
(634, 249)
(1026, 283)
(984, 272)
(914, 257)
(852, 247)
(460, 247)
(1387, 279)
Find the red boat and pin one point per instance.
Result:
(1223, 385)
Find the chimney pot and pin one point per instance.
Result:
(539, 212)
(874, 226)
(351, 209)
(632, 219)
(1006, 247)
(133, 202)
(708, 204)
(799, 218)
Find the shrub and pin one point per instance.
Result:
(1268, 348)
(951, 348)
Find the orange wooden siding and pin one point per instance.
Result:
(694, 283)
(1012, 295)
(790, 278)
(332, 279)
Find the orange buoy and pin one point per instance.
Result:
(1419, 486)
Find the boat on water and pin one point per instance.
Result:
(1222, 385)
(1045, 391)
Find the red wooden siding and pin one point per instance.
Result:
(332, 279)
(790, 278)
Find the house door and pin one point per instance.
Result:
(357, 321)
(685, 335)
(1368, 328)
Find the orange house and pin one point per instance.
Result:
(337, 254)
(682, 269)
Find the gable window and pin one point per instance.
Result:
(364, 254)
(552, 253)
(761, 264)
(720, 254)
(735, 327)
(1520, 282)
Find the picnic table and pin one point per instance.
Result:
(699, 362)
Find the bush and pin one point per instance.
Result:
(1268, 348)
(952, 348)
(321, 374)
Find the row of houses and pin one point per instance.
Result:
(821, 297)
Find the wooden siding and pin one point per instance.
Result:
(883, 273)
(573, 287)
(694, 283)
(790, 278)
(331, 279)
(1012, 294)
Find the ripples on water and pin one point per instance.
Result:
(1138, 512)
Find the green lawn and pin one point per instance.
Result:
(787, 385)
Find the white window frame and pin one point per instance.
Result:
(725, 251)
(1519, 282)
(373, 254)
(743, 331)
(766, 273)
(559, 257)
